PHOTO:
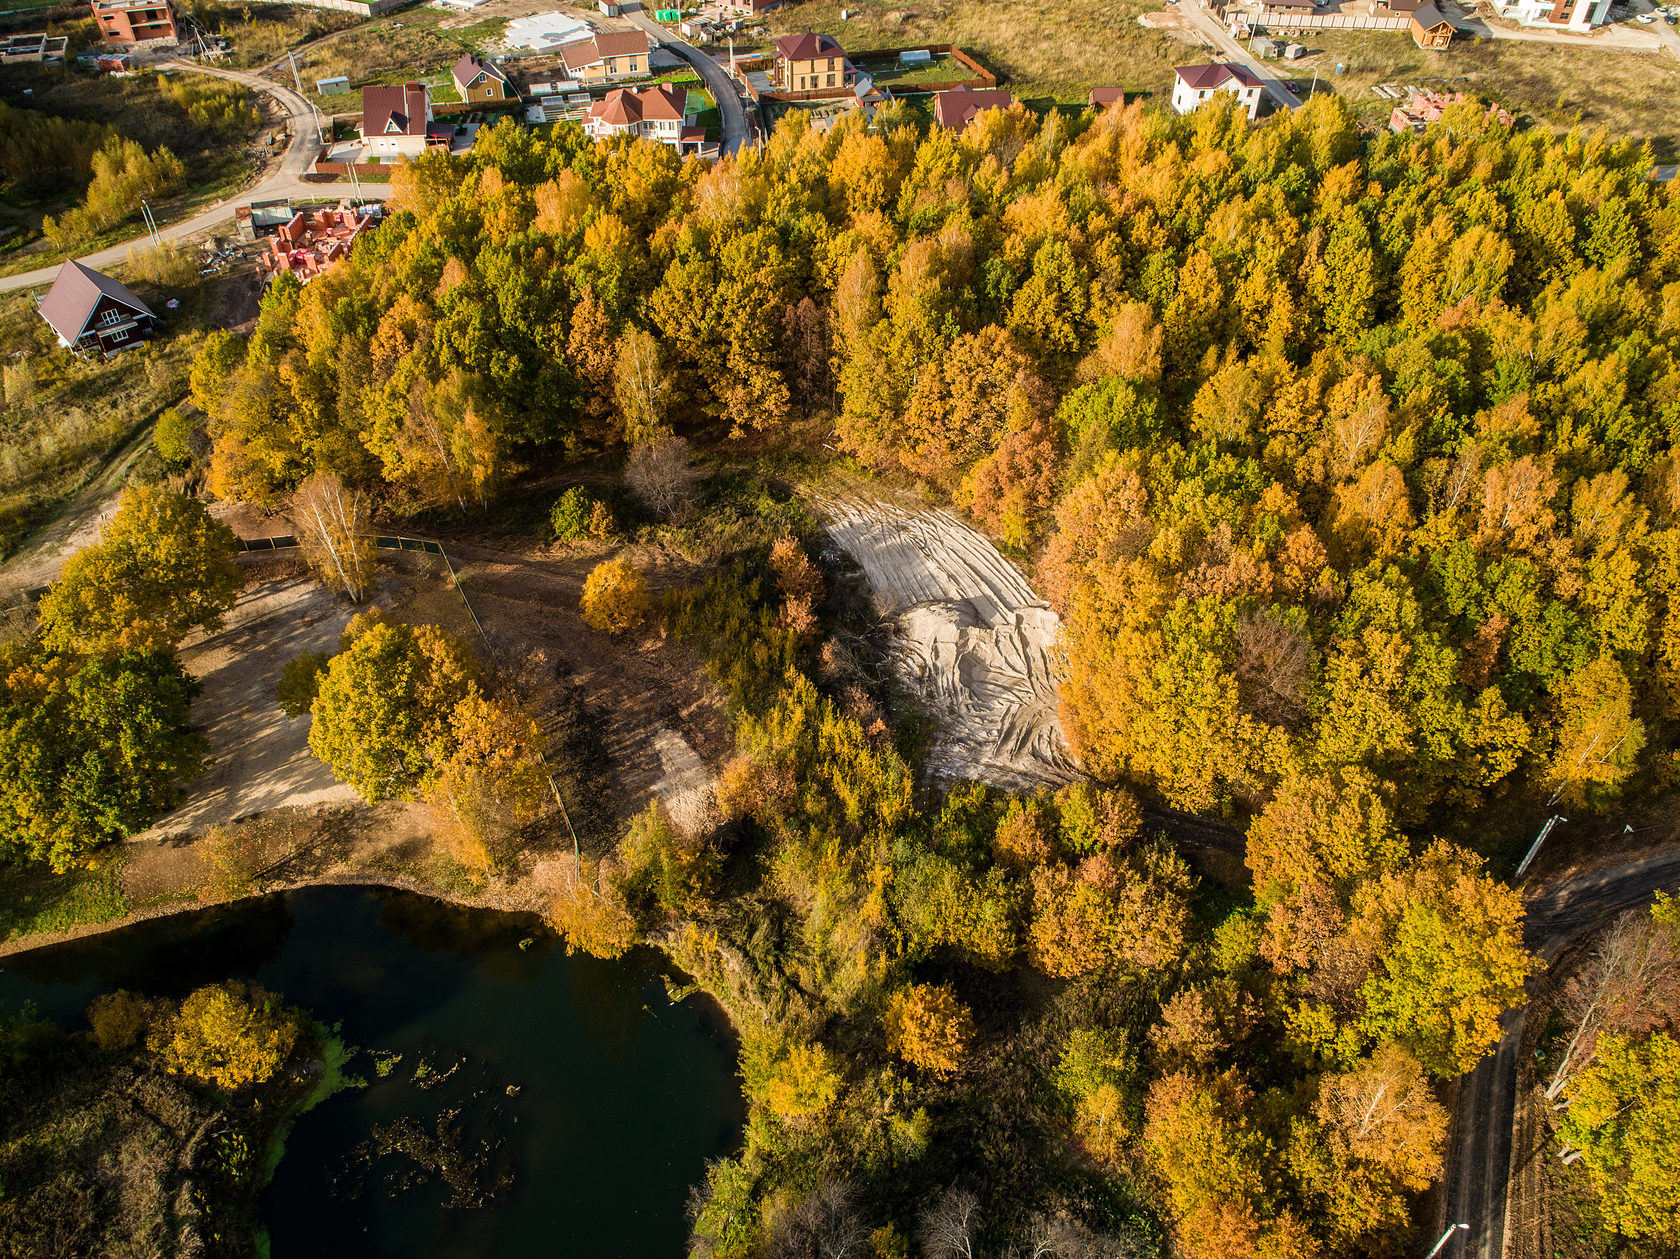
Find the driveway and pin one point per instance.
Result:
(284, 182)
(1479, 1166)
(722, 87)
(1216, 34)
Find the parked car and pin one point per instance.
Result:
(1645, 18)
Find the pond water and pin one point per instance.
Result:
(566, 1092)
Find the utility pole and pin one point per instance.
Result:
(1450, 1231)
(151, 222)
(296, 77)
(1539, 839)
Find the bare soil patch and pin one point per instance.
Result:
(971, 639)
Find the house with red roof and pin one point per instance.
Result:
(1195, 85)
(607, 56)
(811, 63)
(92, 313)
(955, 109)
(649, 113)
(397, 122)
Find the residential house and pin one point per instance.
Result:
(651, 113)
(607, 56)
(1106, 97)
(480, 80)
(92, 312)
(1193, 85)
(749, 8)
(36, 46)
(1574, 15)
(811, 63)
(1279, 14)
(397, 122)
(1396, 8)
(1430, 28)
(955, 109)
(126, 22)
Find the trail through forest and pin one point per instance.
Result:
(971, 638)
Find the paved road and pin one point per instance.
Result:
(1216, 34)
(723, 89)
(284, 181)
(1479, 1165)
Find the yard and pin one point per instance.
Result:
(1630, 94)
(418, 43)
(1055, 49)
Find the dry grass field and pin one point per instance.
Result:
(1627, 93)
(1056, 49)
(412, 43)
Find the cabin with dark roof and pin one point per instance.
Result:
(1430, 28)
(479, 80)
(93, 313)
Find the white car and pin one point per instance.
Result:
(1645, 18)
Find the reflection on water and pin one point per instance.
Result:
(566, 1094)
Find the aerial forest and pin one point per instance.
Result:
(1346, 460)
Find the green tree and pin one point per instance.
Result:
(384, 704)
(90, 750)
(1621, 1124)
(162, 567)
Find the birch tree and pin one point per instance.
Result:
(334, 533)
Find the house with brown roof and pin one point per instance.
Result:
(607, 56)
(1106, 97)
(1195, 85)
(955, 109)
(397, 121)
(480, 80)
(811, 63)
(1430, 28)
(658, 113)
(91, 312)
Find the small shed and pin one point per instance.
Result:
(1430, 28)
(333, 86)
(1294, 52)
(609, 8)
(1106, 97)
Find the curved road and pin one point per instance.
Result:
(1479, 1165)
(284, 181)
(731, 112)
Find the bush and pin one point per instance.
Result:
(571, 515)
(120, 1019)
(228, 1034)
(615, 597)
(172, 438)
(300, 680)
(928, 1027)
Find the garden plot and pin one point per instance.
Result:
(971, 639)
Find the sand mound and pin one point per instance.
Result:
(970, 637)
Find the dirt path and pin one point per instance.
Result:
(971, 637)
(262, 758)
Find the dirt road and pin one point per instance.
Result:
(1479, 1164)
(285, 181)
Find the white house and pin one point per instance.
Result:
(1194, 84)
(1574, 15)
(652, 113)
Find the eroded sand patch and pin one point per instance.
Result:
(970, 638)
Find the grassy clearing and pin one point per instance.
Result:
(35, 901)
(1055, 49)
(258, 33)
(1628, 93)
(394, 50)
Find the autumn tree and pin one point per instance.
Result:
(661, 475)
(928, 1027)
(1598, 737)
(162, 566)
(641, 388)
(230, 1035)
(614, 597)
(335, 533)
(385, 703)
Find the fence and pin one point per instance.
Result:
(1286, 23)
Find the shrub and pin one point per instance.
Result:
(572, 515)
(792, 1077)
(615, 597)
(119, 1019)
(229, 1034)
(172, 438)
(300, 680)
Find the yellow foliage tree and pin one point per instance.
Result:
(229, 1034)
(614, 597)
(928, 1027)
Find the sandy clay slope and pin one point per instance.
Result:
(970, 637)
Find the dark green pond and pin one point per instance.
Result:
(581, 1102)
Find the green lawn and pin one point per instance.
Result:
(35, 901)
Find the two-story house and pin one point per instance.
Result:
(92, 313)
(480, 80)
(607, 56)
(126, 22)
(811, 63)
(397, 121)
(650, 113)
(1192, 85)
